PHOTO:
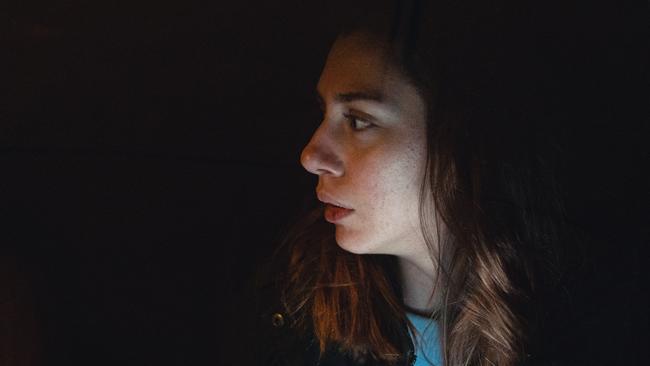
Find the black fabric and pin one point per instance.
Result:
(276, 344)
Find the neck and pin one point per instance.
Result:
(418, 280)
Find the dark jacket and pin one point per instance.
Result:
(278, 344)
(282, 345)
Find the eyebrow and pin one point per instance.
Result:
(354, 96)
(373, 96)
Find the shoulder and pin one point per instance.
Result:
(276, 342)
(270, 338)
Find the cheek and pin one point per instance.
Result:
(369, 183)
(385, 184)
(389, 183)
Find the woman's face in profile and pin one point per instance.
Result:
(369, 151)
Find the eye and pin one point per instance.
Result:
(357, 124)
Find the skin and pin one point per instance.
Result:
(369, 153)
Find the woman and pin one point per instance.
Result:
(438, 204)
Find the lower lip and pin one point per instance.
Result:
(335, 213)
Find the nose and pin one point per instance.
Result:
(319, 156)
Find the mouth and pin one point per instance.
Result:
(335, 213)
(327, 199)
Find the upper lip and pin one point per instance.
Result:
(326, 198)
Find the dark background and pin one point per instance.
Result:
(150, 163)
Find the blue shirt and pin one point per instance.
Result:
(427, 343)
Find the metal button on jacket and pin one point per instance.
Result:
(277, 320)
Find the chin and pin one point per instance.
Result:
(354, 243)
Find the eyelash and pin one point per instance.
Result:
(352, 119)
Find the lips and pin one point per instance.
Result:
(334, 209)
(335, 213)
(327, 198)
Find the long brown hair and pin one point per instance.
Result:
(490, 181)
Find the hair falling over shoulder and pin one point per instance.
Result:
(345, 299)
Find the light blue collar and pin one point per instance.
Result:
(427, 342)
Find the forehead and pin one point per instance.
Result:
(359, 63)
